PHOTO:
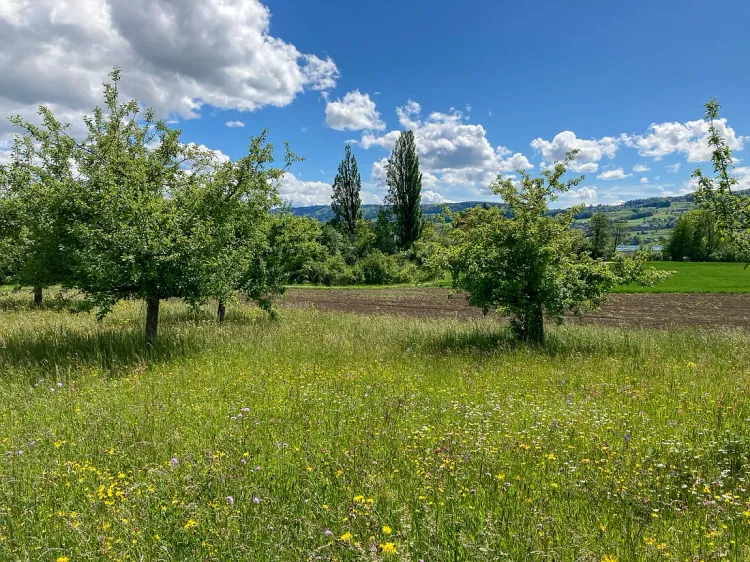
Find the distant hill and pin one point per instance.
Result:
(323, 213)
(649, 220)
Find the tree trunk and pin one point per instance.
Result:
(152, 320)
(38, 297)
(535, 326)
(220, 311)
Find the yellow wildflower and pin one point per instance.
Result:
(191, 524)
(387, 530)
(609, 558)
(388, 548)
(346, 537)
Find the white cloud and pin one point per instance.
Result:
(175, 56)
(234, 124)
(353, 113)
(450, 150)
(616, 174)
(689, 138)
(639, 168)
(433, 197)
(304, 193)
(618, 202)
(582, 194)
(644, 180)
(674, 168)
(218, 155)
(591, 151)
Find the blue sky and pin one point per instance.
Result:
(487, 86)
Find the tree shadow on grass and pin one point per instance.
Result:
(112, 348)
(562, 341)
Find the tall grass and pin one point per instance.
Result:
(337, 437)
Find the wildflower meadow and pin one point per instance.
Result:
(326, 436)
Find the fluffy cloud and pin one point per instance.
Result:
(616, 174)
(674, 168)
(690, 138)
(175, 55)
(591, 151)
(433, 197)
(582, 194)
(353, 113)
(234, 124)
(639, 168)
(644, 180)
(451, 151)
(304, 193)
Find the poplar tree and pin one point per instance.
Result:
(347, 185)
(405, 189)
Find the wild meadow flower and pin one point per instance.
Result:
(174, 461)
(328, 533)
(609, 558)
(62, 559)
(230, 500)
(346, 537)
(388, 548)
(256, 501)
(245, 410)
(386, 530)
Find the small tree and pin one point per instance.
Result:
(620, 233)
(730, 211)
(36, 194)
(599, 235)
(405, 189)
(528, 264)
(233, 205)
(347, 185)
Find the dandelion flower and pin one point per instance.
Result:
(609, 558)
(191, 524)
(346, 537)
(388, 548)
(387, 530)
(63, 559)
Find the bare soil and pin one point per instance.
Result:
(638, 310)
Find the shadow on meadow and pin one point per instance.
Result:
(63, 343)
(561, 341)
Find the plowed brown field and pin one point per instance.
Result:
(639, 310)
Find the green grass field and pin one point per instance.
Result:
(698, 277)
(336, 437)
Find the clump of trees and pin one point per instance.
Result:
(530, 265)
(132, 212)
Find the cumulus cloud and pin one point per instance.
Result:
(591, 151)
(304, 193)
(451, 150)
(639, 168)
(175, 56)
(234, 124)
(354, 112)
(583, 193)
(433, 197)
(689, 138)
(616, 174)
(644, 180)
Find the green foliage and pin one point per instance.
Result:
(36, 205)
(346, 200)
(730, 211)
(405, 189)
(132, 212)
(385, 232)
(694, 237)
(530, 265)
(599, 235)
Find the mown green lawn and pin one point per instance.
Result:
(698, 277)
(340, 437)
